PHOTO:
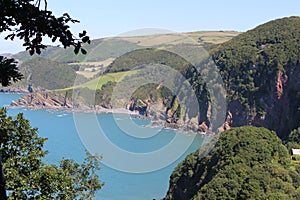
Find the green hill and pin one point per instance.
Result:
(137, 58)
(47, 74)
(261, 71)
(245, 163)
(105, 48)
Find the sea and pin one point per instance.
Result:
(137, 162)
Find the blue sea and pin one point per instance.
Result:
(137, 158)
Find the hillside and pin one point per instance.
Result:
(245, 163)
(102, 52)
(44, 73)
(105, 48)
(260, 69)
(261, 72)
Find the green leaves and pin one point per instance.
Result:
(28, 177)
(9, 71)
(25, 20)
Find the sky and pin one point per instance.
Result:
(108, 18)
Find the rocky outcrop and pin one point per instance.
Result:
(43, 100)
(227, 123)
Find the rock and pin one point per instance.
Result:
(227, 123)
(203, 127)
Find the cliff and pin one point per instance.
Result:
(260, 69)
(43, 100)
(261, 72)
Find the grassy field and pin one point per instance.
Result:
(88, 74)
(105, 63)
(98, 82)
(214, 37)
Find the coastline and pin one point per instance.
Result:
(57, 102)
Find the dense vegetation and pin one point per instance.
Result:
(260, 69)
(245, 163)
(42, 72)
(9, 71)
(137, 58)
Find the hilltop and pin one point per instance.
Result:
(105, 48)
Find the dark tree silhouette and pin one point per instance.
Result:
(9, 71)
(26, 20)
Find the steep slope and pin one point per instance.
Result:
(261, 71)
(245, 163)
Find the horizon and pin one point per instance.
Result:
(105, 19)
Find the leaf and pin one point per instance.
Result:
(54, 39)
(77, 48)
(31, 52)
(83, 51)
(82, 34)
(85, 39)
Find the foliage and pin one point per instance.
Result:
(245, 163)
(293, 141)
(28, 21)
(9, 71)
(137, 58)
(28, 177)
(295, 136)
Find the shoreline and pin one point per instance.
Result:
(153, 124)
(37, 101)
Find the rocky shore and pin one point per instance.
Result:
(58, 101)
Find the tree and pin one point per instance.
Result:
(245, 163)
(9, 71)
(28, 21)
(293, 141)
(28, 177)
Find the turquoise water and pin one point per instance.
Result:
(64, 142)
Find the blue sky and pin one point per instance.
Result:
(106, 18)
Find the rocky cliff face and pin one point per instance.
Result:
(164, 115)
(279, 105)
